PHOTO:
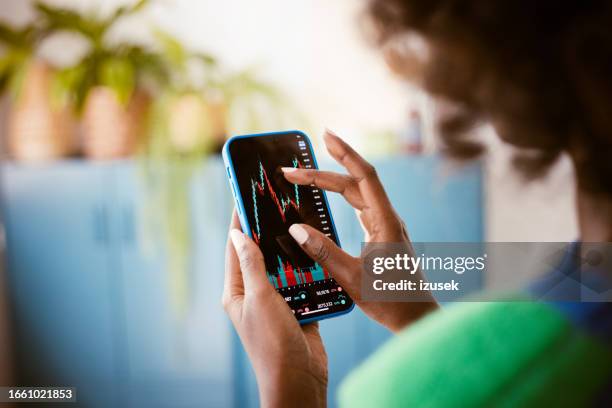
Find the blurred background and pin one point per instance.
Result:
(115, 204)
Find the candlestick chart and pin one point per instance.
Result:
(275, 205)
(287, 274)
(261, 185)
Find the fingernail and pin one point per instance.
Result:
(298, 233)
(288, 169)
(330, 132)
(237, 237)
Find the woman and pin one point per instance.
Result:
(539, 72)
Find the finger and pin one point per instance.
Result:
(344, 154)
(327, 180)
(372, 190)
(233, 286)
(251, 264)
(327, 254)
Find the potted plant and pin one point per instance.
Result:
(108, 86)
(38, 129)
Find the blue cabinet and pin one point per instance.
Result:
(173, 358)
(91, 301)
(91, 298)
(62, 277)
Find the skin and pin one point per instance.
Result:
(289, 360)
(594, 217)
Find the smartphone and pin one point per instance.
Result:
(267, 205)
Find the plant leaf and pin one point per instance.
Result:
(119, 75)
(9, 35)
(172, 49)
(127, 10)
(207, 59)
(6, 71)
(70, 20)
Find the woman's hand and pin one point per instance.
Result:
(364, 191)
(289, 360)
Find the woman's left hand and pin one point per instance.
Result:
(289, 360)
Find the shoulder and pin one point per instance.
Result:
(480, 354)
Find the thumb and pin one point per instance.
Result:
(326, 253)
(252, 264)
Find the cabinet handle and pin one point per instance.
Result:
(100, 224)
(128, 225)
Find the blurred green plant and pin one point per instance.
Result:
(121, 67)
(19, 47)
(200, 104)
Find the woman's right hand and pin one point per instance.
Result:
(364, 192)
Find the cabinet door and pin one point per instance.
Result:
(211, 337)
(437, 202)
(175, 356)
(149, 334)
(61, 277)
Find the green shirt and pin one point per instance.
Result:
(482, 354)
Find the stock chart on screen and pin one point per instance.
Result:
(272, 205)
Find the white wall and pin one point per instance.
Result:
(536, 211)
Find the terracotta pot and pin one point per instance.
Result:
(218, 117)
(195, 123)
(37, 131)
(110, 129)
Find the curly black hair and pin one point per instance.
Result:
(539, 71)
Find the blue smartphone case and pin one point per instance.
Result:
(244, 222)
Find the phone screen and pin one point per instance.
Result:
(271, 205)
